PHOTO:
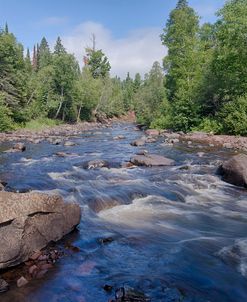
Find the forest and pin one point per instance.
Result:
(200, 86)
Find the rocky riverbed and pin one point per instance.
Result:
(159, 223)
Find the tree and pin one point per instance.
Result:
(151, 96)
(182, 64)
(44, 58)
(228, 68)
(59, 48)
(98, 63)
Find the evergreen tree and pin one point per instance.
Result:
(59, 48)
(44, 57)
(28, 62)
(6, 29)
(98, 63)
(35, 59)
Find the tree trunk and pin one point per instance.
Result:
(58, 110)
(64, 108)
(60, 105)
(79, 114)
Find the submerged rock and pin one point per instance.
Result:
(28, 222)
(138, 142)
(123, 294)
(69, 144)
(119, 137)
(234, 170)
(19, 147)
(4, 286)
(150, 160)
(97, 163)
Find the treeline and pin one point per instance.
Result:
(201, 86)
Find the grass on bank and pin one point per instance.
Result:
(41, 124)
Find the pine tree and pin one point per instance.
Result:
(44, 57)
(182, 4)
(59, 48)
(28, 62)
(6, 29)
(34, 60)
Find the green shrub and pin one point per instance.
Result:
(233, 116)
(209, 125)
(6, 122)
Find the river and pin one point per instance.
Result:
(174, 233)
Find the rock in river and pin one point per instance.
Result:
(234, 170)
(28, 222)
(150, 160)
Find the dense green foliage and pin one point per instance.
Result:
(202, 85)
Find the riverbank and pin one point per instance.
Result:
(219, 141)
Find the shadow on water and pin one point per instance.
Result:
(176, 234)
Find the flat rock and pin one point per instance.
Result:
(29, 221)
(150, 160)
(234, 170)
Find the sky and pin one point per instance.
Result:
(126, 30)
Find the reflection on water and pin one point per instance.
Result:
(176, 233)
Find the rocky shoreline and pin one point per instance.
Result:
(51, 134)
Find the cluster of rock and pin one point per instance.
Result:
(39, 263)
(55, 134)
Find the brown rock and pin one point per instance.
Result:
(234, 170)
(36, 255)
(28, 222)
(19, 147)
(138, 143)
(152, 132)
(33, 270)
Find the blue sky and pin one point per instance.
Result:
(123, 28)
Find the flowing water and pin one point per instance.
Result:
(176, 233)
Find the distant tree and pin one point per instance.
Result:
(28, 62)
(59, 48)
(6, 29)
(44, 58)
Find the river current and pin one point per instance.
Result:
(174, 233)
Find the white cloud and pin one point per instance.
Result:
(53, 21)
(134, 53)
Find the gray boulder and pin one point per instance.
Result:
(28, 222)
(150, 160)
(234, 170)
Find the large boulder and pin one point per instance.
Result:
(234, 170)
(150, 160)
(28, 222)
